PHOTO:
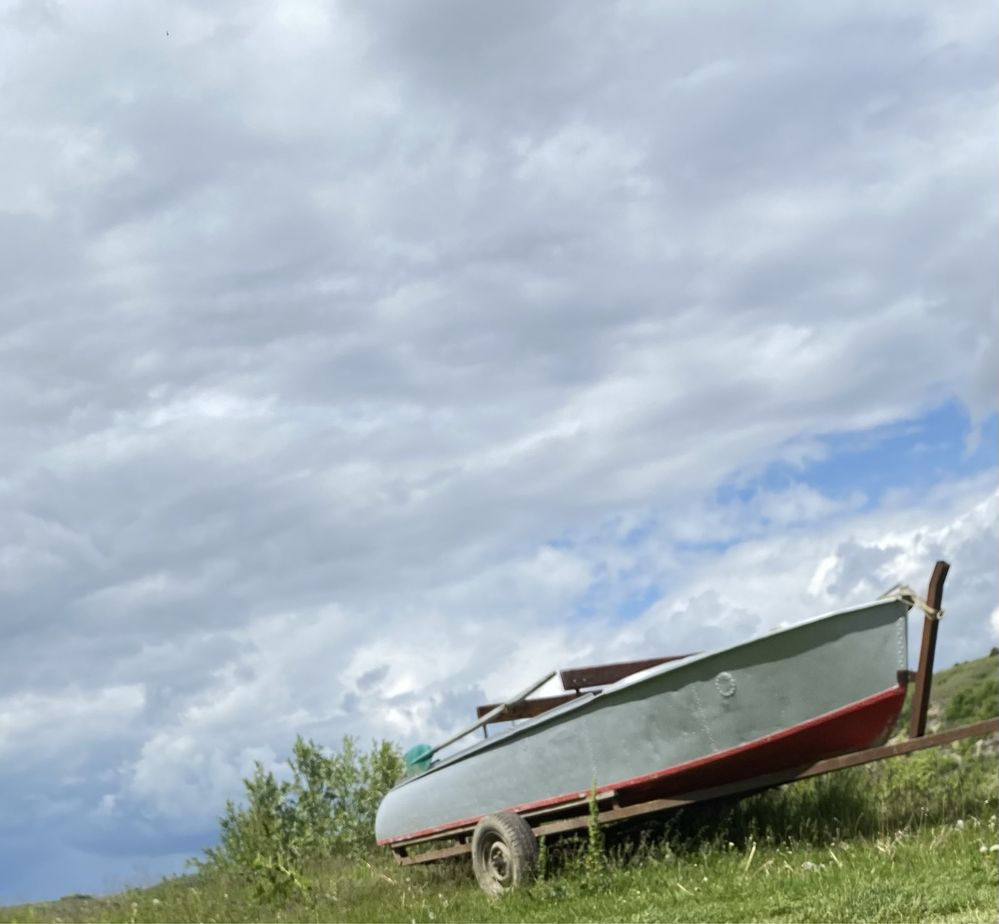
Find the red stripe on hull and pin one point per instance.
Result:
(863, 724)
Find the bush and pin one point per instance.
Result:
(326, 808)
(974, 703)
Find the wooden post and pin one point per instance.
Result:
(924, 676)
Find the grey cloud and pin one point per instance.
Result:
(370, 678)
(855, 565)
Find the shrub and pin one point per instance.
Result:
(327, 807)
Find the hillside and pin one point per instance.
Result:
(965, 692)
(908, 839)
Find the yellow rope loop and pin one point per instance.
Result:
(906, 594)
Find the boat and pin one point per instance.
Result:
(822, 687)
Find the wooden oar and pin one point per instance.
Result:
(495, 712)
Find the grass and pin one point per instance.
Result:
(913, 838)
(939, 873)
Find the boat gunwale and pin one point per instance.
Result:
(644, 676)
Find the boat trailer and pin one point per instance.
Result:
(576, 815)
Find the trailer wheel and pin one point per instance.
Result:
(504, 852)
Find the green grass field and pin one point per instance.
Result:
(939, 872)
(909, 839)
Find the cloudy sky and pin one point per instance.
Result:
(361, 362)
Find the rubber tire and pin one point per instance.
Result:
(504, 853)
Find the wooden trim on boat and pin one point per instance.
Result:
(525, 709)
(597, 675)
(574, 679)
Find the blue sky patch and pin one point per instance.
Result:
(941, 445)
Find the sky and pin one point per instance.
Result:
(362, 362)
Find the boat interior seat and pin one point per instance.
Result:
(575, 680)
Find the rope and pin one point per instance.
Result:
(906, 594)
